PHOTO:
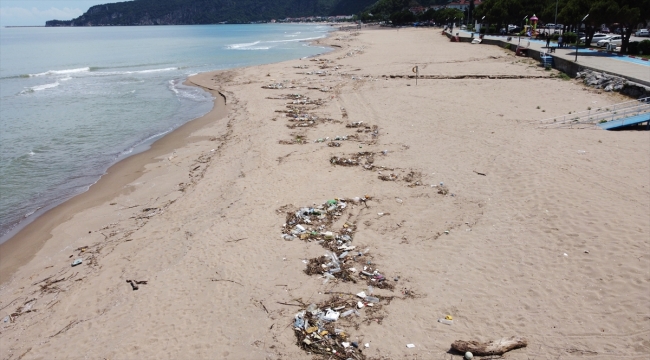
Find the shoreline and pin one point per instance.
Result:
(24, 244)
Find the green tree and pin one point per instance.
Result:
(626, 13)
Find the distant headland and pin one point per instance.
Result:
(195, 12)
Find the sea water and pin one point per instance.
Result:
(73, 101)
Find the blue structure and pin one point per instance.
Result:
(620, 123)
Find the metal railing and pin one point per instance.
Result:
(592, 117)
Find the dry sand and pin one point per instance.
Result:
(550, 244)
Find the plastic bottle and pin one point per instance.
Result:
(371, 299)
(347, 313)
(343, 255)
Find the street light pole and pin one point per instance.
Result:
(522, 27)
(479, 32)
(577, 39)
(554, 25)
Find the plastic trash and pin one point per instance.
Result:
(399, 200)
(327, 276)
(410, 346)
(347, 313)
(366, 345)
(77, 262)
(371, 299)
(446, 322)
(331, 315)
(469, 355)
(362, 294)
(343, 254)
(370, 289)
(335, 259)
(299, 322)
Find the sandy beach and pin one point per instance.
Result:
(471, 211)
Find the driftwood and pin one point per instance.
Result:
(497, 347)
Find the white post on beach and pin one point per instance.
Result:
(416, 70)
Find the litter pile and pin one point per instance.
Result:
(363, 158)
(318, 328)
(279, 86)
(342, 260)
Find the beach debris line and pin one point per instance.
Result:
(342, 260)
(496, 347)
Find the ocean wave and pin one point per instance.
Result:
(61, 72)
(40, 88)
(172, 86)
(255, 48)
(238, 46)
(296, 40)
(148, 71)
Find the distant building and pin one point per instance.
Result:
(462, 4)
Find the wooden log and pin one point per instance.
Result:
(496, 347)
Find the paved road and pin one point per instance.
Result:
(623, 65)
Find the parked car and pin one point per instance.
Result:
(550, 26)
(642, 32)
(604, 30)
(559, 26)
(596, 38)
(614, 40)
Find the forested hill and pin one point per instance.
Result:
(188, 12)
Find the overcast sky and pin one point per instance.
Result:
(36, 12)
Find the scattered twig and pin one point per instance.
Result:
(261, 303)
(283, 303)
(480, 173)
(232, 281)
(25, 353)
(135, 283)
(67, 327)
(11, 302)
(236, 240)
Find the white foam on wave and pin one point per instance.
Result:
(61, 72)
(172, 86)
(40, 88)
(248, 46)
(296, 40)
(105, 73)
(242, 45)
